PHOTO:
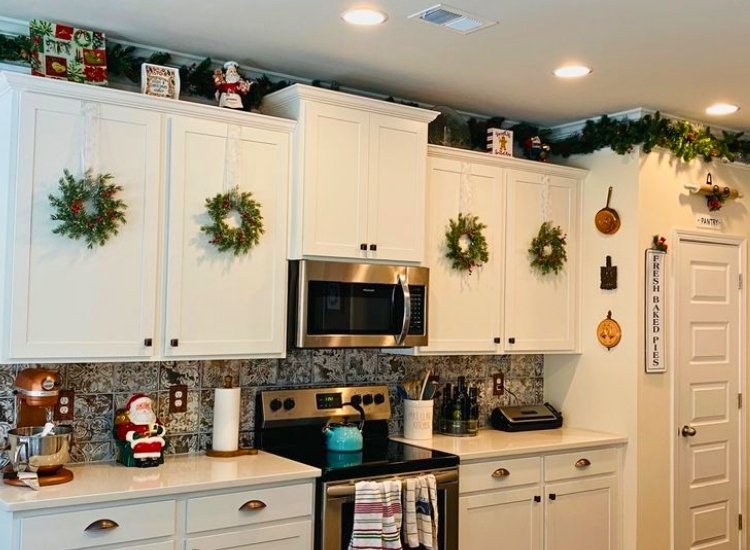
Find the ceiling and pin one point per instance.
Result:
(678, 56)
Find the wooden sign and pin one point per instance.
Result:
(608, 275)
(655, 309)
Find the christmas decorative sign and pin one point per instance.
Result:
(547, 249)
(237, 239)
(655, 268)
(67, 53)
(500, 142)
(466, 243)
(160, 81)
(87, 208)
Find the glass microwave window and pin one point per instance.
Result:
(354, 308)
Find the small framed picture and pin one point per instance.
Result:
(160, 81)
(500, 142)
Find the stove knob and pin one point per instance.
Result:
(288, 404)
(356, 399)
(275, 405)
(367, 399)
(379, 399)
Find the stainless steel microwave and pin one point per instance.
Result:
(345, 305)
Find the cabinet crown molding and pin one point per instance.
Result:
(17, 82)
(303, 92)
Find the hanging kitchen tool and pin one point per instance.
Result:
(609, 332)
(608, 275)
(607, 220)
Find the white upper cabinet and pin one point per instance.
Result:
(541, 310)
(359, 181)
(60, 298)
(219, 304)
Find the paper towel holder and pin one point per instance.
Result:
(229, 454)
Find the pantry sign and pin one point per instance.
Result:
(655, 309)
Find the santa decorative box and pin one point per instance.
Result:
(65, 52)
(139, 435)
(500, 142)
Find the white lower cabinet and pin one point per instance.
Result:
(290, 536)
(565, 501)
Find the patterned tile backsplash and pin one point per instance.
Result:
(101, 388)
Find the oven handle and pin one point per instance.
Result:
(407, 311)
(348, 489)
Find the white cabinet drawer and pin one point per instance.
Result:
(248, 507)
(289, 536)
(61, 531)
(580, 463)
(497, 474)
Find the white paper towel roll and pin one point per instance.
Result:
(226, 419)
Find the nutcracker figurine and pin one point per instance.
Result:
(139, 436)
(230, 86)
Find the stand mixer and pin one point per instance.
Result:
(36, 445)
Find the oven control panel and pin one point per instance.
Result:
(300, 405)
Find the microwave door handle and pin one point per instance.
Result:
(407, 310)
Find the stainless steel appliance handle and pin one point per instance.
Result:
(407, 310)
(348, 489)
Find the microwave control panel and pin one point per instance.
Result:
(416, 325)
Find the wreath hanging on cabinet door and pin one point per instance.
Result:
(547, 249)
(237, 239)
(87, 208)
(467, 245)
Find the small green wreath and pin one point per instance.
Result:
(88, 208)
(467, 246)
(238, 239)
(547, 249)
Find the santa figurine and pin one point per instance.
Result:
(139, 434)
(230, 86)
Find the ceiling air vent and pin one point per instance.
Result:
(452, 19)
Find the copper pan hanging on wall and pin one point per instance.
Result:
(607, 220)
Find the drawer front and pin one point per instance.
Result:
(288, 536)
(588, 462)
(497, 474)
(248, 507)
(64, 530)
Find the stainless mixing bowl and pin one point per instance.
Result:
(45, 455)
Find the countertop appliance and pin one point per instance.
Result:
(337, 304)
(526, 417)
(291, 425)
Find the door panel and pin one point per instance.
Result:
(707, 382)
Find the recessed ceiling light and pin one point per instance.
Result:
(722, 109)
(364, 17)
(572, 71)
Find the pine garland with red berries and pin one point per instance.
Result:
(237, 239)
(87, 208)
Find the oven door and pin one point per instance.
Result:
(336, 521)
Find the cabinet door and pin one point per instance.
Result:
(219, 304)
(541, 311)
(66, 301)
(581, 514)
(396, 193)
(464, 314)
(334, 181)
(290, 536)
(509, 519)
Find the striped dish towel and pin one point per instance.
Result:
(421, 512)
(377, 516)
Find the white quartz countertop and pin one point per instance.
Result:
(109, 481)
(496, 444)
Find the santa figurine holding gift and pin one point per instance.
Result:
(230, 86)
(140, 435)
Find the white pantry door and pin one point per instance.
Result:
(707, 374)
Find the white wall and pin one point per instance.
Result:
(598, 389)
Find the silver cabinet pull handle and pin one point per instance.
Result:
(500, 472)
(252, 506)
(102, 525)
(583, 463)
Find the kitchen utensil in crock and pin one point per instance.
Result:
(607, 220)
(345, 436)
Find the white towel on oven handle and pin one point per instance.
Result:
(421, 512)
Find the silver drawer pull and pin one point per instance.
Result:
(583, 463)
(252, 506)
(102, 525)
(500, 472)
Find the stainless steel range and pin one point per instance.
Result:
(291, 423)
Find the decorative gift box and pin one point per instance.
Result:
(500, 142)
(65, 52)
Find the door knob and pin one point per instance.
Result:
(688, 431)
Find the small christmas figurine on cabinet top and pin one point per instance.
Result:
(139, 435)
(230, 86)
